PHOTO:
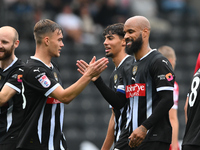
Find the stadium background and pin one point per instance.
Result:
(86, 117)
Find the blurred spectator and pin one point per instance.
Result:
(23, 15)
(106, 11)
(173, 6)
(88, 26)
(151, 12)
(71, 23)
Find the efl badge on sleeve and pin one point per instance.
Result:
(44, 81)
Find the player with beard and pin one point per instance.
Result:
(11, 96)
(114, 44)
(148, 85)
(149, 89)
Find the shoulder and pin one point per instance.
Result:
(34, 68)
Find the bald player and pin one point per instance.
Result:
(11, 98)
(169, 53)
(149, 88)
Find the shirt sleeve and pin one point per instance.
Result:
(41, 80)
(163, 77)
(15, 80)
(115, 99)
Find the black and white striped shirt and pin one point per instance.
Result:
(43, 126)
(11, 113)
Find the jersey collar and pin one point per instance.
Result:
(35, 58)
(146, 54)
(122, 61)
(11, 64)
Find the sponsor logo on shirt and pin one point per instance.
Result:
(51, 100)
(137, 89)
(164, 61)
(14, 76)
(36, 70)
(169, 77)
(19, 78)
(44, 81)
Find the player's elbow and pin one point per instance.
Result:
(66, 100)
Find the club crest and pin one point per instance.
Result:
(135, 70)
(115, 78)
(55, 76)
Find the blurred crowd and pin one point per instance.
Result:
(83, 20)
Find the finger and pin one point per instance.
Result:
(93, 60)
(80, 67)
(139, 142)
(81, 72)
(131, 142)
(101, 62)
(84, 63)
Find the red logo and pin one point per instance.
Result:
(137, 89)
(51, 100)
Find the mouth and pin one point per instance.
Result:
(107, 49)
(129, 42)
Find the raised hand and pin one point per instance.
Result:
(94, 68)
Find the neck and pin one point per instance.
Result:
(43, 56)
(142, 52)
(118, 59)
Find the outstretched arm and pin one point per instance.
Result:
(68, 94)
(115, 99)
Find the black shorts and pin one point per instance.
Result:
(10, 146)
(123, 142)
(190, 147)
(153, 146)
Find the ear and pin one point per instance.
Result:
(145, 33)
(123, 42)
(16, 44)
(46, 40)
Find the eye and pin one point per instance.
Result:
(4, 42)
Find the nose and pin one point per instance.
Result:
(105, 42)
(62, 44)
(126, 36)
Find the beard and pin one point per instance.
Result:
(135, 46)
(7, 53)
(109, 55)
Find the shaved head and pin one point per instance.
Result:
(10, 31)
(139, 21)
